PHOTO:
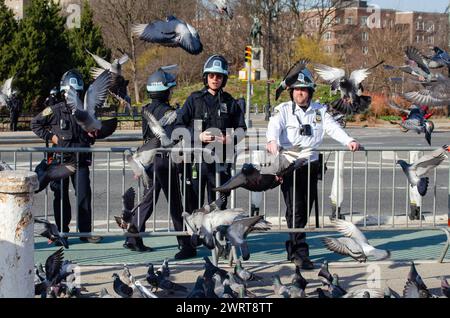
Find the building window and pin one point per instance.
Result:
(327, 36)
(365, 36)
(337, 20)
(417, 38)
(365, 50)
(430, 27)
(328, 49)
(431, 40)
(363, 21)
(349, 20)
(327, 21)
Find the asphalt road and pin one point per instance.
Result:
(360, 201)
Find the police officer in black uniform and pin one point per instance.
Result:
(159, 88)
(15, 105)
(215, 109)
(56, 124)
(53, 98)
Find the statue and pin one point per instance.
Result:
(255, 32)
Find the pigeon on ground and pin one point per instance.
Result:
(335, 288)
(245, 274)
(281, 291)
(354, 244)
(364, 293)
(415, 121)
(416, 171)
(159, 280)
(291, 77)
(321, 294)
(389, 293)
(352, 100)
(145, 293)
(324, 275)
(414, 276)
(121, 289)
(172, 32)
(164, 270)
(5, 167)
(412, 290)
(198, 291)
(298, 280)
(270, 174)
(84, 112)
(54, 172)
(51, 232)
(445, 287)
(211, 269)
(237, 232)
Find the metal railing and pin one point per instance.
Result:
(377, 190)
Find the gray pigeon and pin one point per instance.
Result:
(280, 290)
(172, 32)
(271, 172)
(245, 274)
(84, 112)
(416, 171)
(364, 293)
(121, 288)
(145, 293)
(415, 120)
(433, 94)
(237, 232)
(145, 154)
(53, 172)
(51, 232)
(198, 291)
(445, 287)
(115, 67)
(291, 77)
(354, 244)
(104, 294)
(324, 274)
(53, 266)
(352, 100)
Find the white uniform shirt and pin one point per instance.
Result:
(284, 127)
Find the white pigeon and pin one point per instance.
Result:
(354, 244)
(416, 171)
(145, 292)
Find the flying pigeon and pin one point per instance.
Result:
(115, 67)
(53, 266)
(354, 244)
(433, 94)
(291, 77)
(51, 233)
(172, 32)
(270, 174)
(145, 154)
(416, 171)
(236, 233)
(53, 172)
(352, 101)
(415, 121)
(84, 112)
(439, 59)
(224, 7)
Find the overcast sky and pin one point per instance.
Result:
(413, 5)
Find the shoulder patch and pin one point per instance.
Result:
(47, 112)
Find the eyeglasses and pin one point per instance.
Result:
(217, 75)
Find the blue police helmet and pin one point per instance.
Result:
(216, 64)
(73, 79)
(160, 81)
(305, 79)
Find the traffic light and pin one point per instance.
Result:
(248, 54)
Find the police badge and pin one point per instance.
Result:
(318, 117)
(223, 108)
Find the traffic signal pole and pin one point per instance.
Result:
(248, 60)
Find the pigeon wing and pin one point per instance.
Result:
(53, 264)
(168, 118)
(328, 73)
(429, 161)
(7, 87)
(348, 229)
(97, 92)
(105, 65)
(189, 39)
(128, 199)
(343, 245)
(156, 128)
(292, 74)
(414, 55)
(357, 76)
(161, 32)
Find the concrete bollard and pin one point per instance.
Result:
(17, 234)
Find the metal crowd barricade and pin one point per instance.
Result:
(371, 220)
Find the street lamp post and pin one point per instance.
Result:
(269, 62)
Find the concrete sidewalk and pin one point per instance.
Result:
(268, 257)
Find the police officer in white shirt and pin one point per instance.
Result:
(302, 123)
